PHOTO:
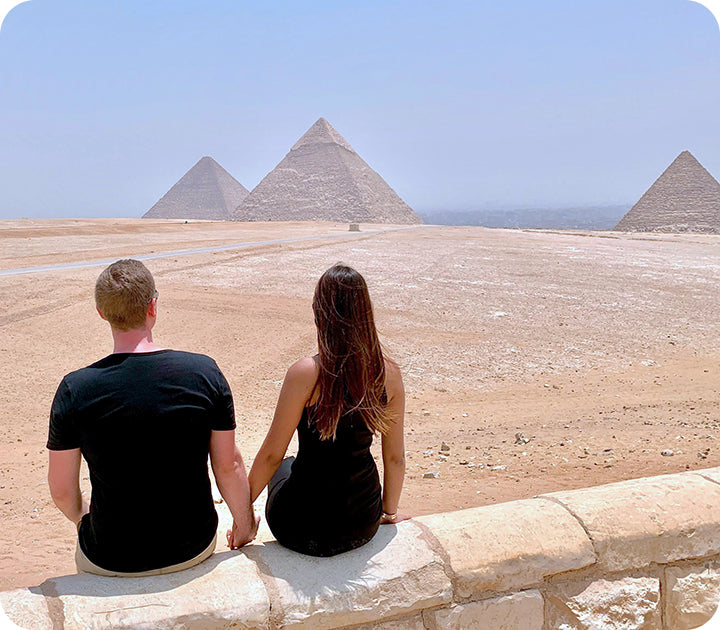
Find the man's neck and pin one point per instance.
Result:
(131, 341)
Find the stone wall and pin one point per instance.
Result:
(641, 554)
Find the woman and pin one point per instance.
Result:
(328, 500)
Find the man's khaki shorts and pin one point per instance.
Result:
(84, 565)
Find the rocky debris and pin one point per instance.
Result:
(432, 474)
(520, 439)
(704, 453)
(667, 452)
(444, 446)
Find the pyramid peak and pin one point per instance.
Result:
(685, 159)
(203, 163)
(322, 132)
(323, 179)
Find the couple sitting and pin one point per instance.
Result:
(145, 419)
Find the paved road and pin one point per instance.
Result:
(198, 250)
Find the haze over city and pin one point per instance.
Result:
(459, 106)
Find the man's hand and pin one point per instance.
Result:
(229, 471)
(237, 538)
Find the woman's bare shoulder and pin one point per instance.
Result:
(393, 378)
(303, 371)
(392, 369)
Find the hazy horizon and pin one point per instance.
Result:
(520, 105)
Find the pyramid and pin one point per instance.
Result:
(323, 179)
(685, 198)
(206, 191)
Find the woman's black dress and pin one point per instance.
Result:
(327, 500)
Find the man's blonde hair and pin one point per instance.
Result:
(122, 294)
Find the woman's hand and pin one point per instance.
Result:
(236, 538)
(391, 519)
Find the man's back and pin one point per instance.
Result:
(143, 422)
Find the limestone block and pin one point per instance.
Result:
(630, 603)
(414, 622)
(520, 611)
(26, 608)
(710, 473)
(225, 591)
(657, 519)
(510, 546)
(693, 594)
(396, 573)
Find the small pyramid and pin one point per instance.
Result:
(685, 198)
(323, 179)
(206, 191)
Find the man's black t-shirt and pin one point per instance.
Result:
(143, 423)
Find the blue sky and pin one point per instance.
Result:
(458, 105)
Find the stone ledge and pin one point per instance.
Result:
(631, 603)
(693, 593)
(396, 573)
(713, 474)
(510, 545)
(652, 520)
(582, 554)
(27, 607)
(224, 591)
(520, 610)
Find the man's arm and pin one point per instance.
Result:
(229, 471)
(64, 482)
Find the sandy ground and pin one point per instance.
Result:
(534, 361)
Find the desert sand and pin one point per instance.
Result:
(533, 360)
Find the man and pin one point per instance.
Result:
(145, 418)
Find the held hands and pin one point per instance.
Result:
(236, 538)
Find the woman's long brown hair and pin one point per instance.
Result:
(351, 365)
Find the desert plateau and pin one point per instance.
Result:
(533, 360)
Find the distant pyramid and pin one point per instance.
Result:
(323, 179)
(206, 191)
(685, 198)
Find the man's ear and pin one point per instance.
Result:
(99, 313)
(152, 308)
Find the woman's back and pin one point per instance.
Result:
(332, 500)
(329, 499)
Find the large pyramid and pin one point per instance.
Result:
(206, 191)
(323, 179)
(685, 198)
